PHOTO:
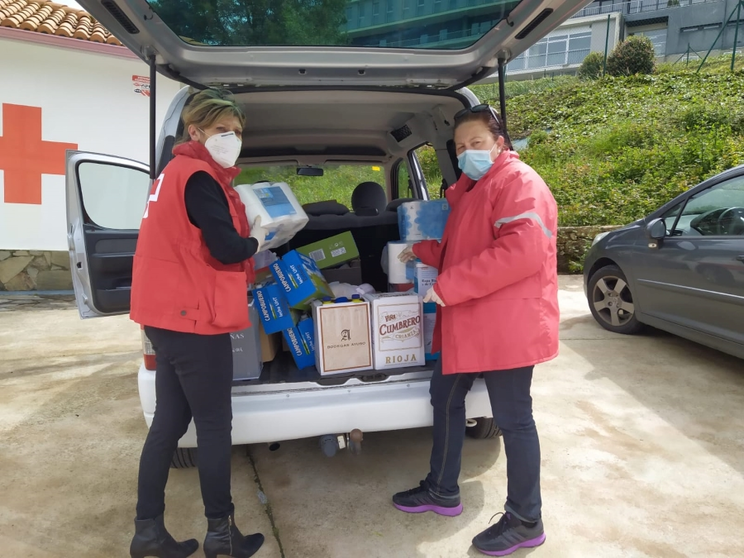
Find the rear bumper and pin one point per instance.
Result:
(274, 416)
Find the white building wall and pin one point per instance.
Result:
(85, 98)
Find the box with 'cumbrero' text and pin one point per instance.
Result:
(397, 330)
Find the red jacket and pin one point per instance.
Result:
(498, 271)
(176, 283)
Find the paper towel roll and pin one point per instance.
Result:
(396, 268)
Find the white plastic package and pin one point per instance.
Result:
(281, 214)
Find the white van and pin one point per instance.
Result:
(359, 104)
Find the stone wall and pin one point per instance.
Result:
(573, 243)
(23, 270)
(28, 270)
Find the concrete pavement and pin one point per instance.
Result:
(642, 440)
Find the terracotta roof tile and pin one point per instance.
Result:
(41, 16)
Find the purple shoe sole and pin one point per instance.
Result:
(448, 512)
(537, 541)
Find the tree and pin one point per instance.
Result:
(591, 67)
(633, 56)
(256, 22)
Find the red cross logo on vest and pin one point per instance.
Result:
(24, 156)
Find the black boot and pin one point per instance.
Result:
(224, 539)
(152, 539)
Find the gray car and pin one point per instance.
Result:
(680, 269)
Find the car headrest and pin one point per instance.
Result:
(368, 199)
(329, 207)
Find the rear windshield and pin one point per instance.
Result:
(337, 183)
(419, 24)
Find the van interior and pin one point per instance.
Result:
(326, 129)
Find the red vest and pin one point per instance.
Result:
(176, 283)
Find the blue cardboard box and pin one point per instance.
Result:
(301, 280)
(273, 309)
(301, 343)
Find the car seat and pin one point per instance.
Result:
(368, 199)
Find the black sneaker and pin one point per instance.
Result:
(508, 535)
(421, 499)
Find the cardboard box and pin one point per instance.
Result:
(273, 309)
(397, 330)
(423, 219)
(424, 278)
(301, 343)
(270, 344)
(246, 349)
(430, 320)
(343, 341)
(351, 274)
(300, 279)
(332, 251)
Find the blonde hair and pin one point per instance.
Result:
(208, 107)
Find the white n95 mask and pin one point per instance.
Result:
(224, 148)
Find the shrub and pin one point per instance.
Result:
(633, 56)
(591, 67)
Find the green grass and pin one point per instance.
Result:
(614, 149)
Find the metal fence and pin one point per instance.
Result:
(635, 6)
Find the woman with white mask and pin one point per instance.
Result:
(192, 270)
(497, 316)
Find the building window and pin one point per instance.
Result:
(658, 38)
(375, 8)
(566, 48)
(361, 13)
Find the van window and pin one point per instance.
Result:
(427, 158)
(341, 23)
(337, 183)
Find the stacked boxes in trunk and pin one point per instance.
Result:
(397, 326)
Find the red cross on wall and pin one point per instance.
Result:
(24, 156)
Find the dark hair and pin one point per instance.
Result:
(486, 117)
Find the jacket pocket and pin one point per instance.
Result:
(230, 300)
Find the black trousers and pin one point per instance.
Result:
(511, 403)
(193, 379)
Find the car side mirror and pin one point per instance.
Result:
(656, 231)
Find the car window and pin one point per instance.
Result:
(114, 196)
(427, 158)
(410, 24)
(717, 211)
(405, 187)
(337, 183)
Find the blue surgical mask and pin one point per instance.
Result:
(475, 162)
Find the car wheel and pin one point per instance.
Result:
(611, 301)
(483, 429)
(184, 458)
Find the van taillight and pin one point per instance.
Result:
(147, 351)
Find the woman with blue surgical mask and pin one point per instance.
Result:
(497, 317)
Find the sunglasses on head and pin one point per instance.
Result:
(478, 109)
